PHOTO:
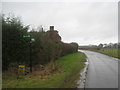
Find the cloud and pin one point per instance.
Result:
(85, 23)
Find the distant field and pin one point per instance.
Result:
(110, 52)
(70, 64)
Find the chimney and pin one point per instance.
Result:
(51, 28)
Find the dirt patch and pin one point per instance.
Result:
(38, 70)
(47, 71)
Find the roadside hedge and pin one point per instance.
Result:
(15, 49)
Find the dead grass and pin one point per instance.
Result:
(48, 71)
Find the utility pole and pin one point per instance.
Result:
(30, 42)
(30, 49)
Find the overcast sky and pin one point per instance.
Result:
(82, 22)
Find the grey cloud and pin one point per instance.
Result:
(85, 23)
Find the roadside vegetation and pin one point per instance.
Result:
(109, 52)
(65, 76)
(37, 58)
(111, 49)
(19, 42)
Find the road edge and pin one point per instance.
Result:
(83, 75)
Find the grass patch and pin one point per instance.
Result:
(71, 65)
(109, 52)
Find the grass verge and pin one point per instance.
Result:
(71, 65)
(109, 52)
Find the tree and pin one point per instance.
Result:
(104, 45)
(115, 45)
(100, 45)
(13, 45)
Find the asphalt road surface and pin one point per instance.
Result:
(102, 71)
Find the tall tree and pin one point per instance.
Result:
(13, 45)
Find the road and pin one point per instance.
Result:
(102, 71)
